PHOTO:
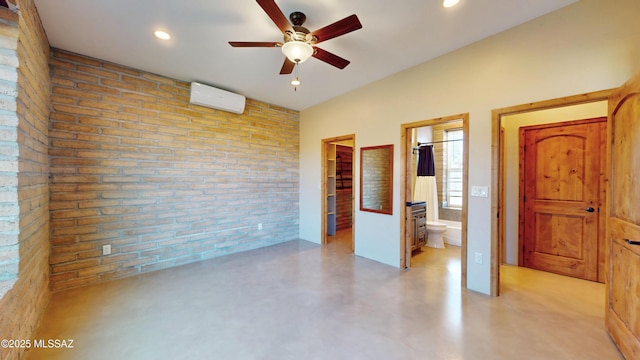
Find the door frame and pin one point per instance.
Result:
(323, 182)
(405, 190)
(497, 159)
(502, 228)
(600, 257)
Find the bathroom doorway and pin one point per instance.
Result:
(338, 189)
(446, 141)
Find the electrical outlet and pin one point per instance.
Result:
(478, 258)
(106, 249)
(259, 226)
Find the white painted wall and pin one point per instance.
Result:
(588, 46)
(425, 134)
(512, 124)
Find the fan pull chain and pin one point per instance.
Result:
(296, 81)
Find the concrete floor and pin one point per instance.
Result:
(298, 300)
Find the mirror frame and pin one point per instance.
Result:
(389, 190)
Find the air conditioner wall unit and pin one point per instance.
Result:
(215, 98)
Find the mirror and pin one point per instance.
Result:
(376, 179)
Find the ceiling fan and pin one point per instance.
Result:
(299, 43)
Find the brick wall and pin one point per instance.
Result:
(440, 156)
(25, 122)
(376, 170)
(9, 209)
(163, 182)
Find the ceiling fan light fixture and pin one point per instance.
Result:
(297, 51)
(162, 35)
(295, 81)
(450, 3)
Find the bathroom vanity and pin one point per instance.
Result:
(418, 231)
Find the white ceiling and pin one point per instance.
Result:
(395, 35)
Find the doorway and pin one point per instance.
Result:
(337, 188)
(409, 144)
(562, 184)
(504, 213)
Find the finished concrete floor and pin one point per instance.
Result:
(299, 300)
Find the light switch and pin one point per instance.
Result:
(480, 191)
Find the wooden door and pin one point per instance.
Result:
(561, 180)
(623, 219)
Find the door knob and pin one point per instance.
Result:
(590, 209)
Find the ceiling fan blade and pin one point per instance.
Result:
(341, 27)
(287, 67)
(276, 15)
(330, 58)
(254, 44)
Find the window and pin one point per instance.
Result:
(453, 169)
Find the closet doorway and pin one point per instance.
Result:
(443, 135)
(338, 187)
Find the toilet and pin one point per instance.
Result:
(435, 230)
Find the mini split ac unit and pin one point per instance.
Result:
(209, 96)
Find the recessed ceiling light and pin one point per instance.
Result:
(162, 35)
(450, 3)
